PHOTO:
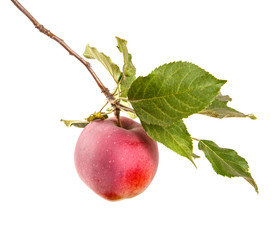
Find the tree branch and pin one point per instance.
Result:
(110, 97)
(45, 31)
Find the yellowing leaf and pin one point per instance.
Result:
(112, 68)
(219, 109)
(75, 123)
(129, 71)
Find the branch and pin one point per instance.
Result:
(45, 31)
(110, 97)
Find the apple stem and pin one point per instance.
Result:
(117, 116)
(110, 97)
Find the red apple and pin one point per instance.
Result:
(116, 162)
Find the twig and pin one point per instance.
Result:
(103, 106)
(115, 104)
(45, 31)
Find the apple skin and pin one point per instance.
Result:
(115, 162)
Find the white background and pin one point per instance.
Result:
(42, 196)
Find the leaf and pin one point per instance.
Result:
(171, 92)
(127, 104)
(219, 109)
(75, 123)
(175, 137)
(226, 162)
(112, 68)
(125, 85)
(129, 70)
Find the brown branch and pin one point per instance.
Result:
(110, 97)
(45, 31)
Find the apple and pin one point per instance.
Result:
(116, 162)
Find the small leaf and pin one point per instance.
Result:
(125, 84)
(75, 123)
(129, 71)
(219, 109)
(127, 104)
(171, 92)
(112, 68)
(226, 162)
(175, 137)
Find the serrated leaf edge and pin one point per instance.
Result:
(250, 180)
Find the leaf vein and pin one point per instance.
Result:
(165, 96)
(184, 103)
(222, 160)
(174, 109)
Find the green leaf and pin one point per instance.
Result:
(127, 104)
(129, 70)
(125, 85)
(219, 109)
(75, 123)
(175, 137)
(112, 68)
(171, 92)
(226, 162)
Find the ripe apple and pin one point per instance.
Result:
(116, 162)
